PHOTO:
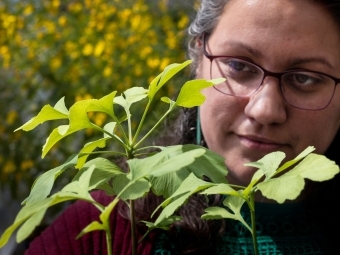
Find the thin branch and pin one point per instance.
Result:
(153, 128)
(141, 122)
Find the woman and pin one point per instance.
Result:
(268, 104)
(281, 59)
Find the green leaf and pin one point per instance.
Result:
(182, 160)
(163, 162)
(135, 94)
(316, 168)
(105, 186)
(60, 106)
(190, 94)
(289, 185)
(103, 172)
(210, 165)
(269, 163)
(129, 97)
(28, 227)
(167, 184)
(59, 111)
(166, 75)
(81, 186)
(136, 189)
(88, 148)
(254, 180)
(105, 214)
(93, 226)
(303, 154)
(84, 179)
(104, 104)
(79, 119)
(172, 207)
(217, 213)
(37, 207)
(110, 127)
(24, 214)
(167, 100)
(153, 86)
(164, 224)
(282, 188)
(43, 185)
(222, 188)
(234, 203)
(189, 186)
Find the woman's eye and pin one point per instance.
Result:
(304, 79)
(300, 78)
(238, 66)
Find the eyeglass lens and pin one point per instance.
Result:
(301, 89)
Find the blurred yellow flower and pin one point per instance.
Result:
(125, 14)
(9, 167)
(88, 49)
(26, 164)
(55, 4)
(107, 71)
(171, 41)
(11, 117)
(28, 10)
(55, 63)
(62, 21)
(75, 7)
(183, 22)
(99, 118)
(99, 48)
(145, 52)
(153, 62)
(164, 63)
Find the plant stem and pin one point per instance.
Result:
(253, 223)
(133, 227)
(153, 128)
(141, 122)
(129, 129)
(132, 214)
(112, 136)
(236, 186)
(120, 127)
(103, 152)
(109, 241)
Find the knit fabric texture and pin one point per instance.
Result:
(281, 229)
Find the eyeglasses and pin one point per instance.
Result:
(301, 88)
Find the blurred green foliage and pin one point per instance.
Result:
(78, 49)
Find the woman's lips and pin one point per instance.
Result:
(259, 143)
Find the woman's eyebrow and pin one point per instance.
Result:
(321, 60)
(247, 47)
(294, 62)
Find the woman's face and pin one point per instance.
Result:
(277, 35)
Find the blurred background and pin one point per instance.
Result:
(79, 49)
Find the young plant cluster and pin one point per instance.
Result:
(174, 172)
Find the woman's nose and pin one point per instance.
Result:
(266, 105)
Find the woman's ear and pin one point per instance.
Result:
(199, 42)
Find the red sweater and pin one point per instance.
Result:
(59, 238)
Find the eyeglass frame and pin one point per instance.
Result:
(267, 73)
